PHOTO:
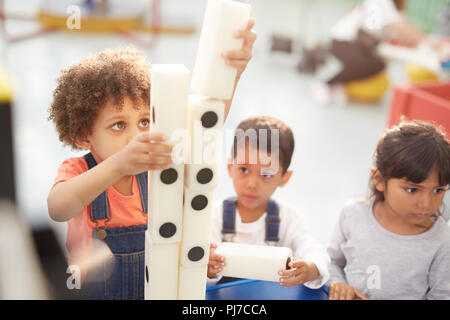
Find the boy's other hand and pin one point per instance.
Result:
(301, 272)
(215, 263)
(147, 151)
(240, 58)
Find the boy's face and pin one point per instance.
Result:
(256, 181)
(114, 128)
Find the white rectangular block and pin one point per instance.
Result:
(169, 106)
(161, 270)
(253, 261)
(205, 125)
(192, 283)
(169, 96)
(212, 76)
(165, 202)
(197, 217)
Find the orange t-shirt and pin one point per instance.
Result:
(124, 211)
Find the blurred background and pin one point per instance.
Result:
(335, 136)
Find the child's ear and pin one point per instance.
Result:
(286, 177)
(82, 143)
(377, 179)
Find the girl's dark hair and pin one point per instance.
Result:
(411, 150)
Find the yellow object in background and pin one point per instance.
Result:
(5, 87)
(418, 74)
(369, 89)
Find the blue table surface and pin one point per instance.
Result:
(263, 290)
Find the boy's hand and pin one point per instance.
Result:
(303, 271)
(144, 152)
(341, 291)
(240, 58)
(215, 263)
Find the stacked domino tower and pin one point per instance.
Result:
(181, 197)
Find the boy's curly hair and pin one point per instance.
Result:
(84, 88)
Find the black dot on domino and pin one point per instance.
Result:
(209, 119)
(199, 202)
(196, 254)
(146, 274)
(167, 230)
(205, 175)
(169, 176)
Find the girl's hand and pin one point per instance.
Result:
(359, 295)
(215, 263)
(341, 291)
(240, 58)
(144, 152)
(303, 271)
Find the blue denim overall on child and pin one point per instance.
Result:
(123, 276)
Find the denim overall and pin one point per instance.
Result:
(229, 226)
(127, 244)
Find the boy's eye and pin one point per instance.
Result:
(411, 190)
(266, 175)
(243, 169)
(145, 123)
(438, 190)
(118, 126)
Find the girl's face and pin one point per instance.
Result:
(113, 129)
(414, 203)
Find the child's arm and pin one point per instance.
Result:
(438, 277)
(311, 256)
(145, 152)
(240, 58)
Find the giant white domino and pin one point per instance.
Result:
(205, 124)
(192, 283)
(161, 268)
(212, 76)
(253, 261)
(196, 227)
(169, 94)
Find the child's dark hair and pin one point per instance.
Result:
(285, 144)
(84, 88)
(411, 150)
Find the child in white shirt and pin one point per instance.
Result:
(252, 217)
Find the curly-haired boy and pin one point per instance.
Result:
(102, 104)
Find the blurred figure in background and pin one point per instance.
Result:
(354, 41)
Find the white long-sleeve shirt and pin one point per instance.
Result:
(371, 16)
(293, 233)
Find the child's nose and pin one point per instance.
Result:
(252, 182)
(424, 200)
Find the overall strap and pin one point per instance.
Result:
(142, 180)
(229, 219)
(272, 223)
(99, 207)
